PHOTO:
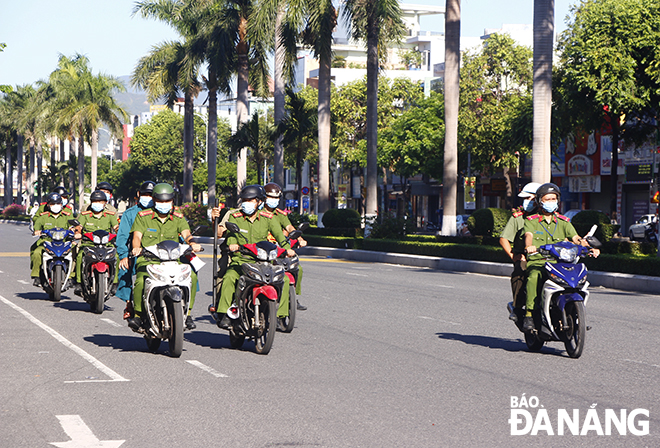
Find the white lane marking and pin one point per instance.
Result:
(443, 286)
(357, 275)
(438, 320)
(81, 436)
(86, 356)
(111, 322)
(208, 369)
(23, 282)
(642, 362)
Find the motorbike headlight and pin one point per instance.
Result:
(58, 235)
(582, 281)
(568, 254)
(558, 280)
(293, 265)
(185, 273)
(157, 272)
(262, 254)
(252, 272)
(278, 274)
(272, 255)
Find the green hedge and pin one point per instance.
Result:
(584, 220)
(488, 221)
(342, 218)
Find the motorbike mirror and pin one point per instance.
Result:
(198, 230)
(295, 234)
(593, 242)
(74, 222)
(232, 227)
(303, 226)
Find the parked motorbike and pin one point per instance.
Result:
(254, 311)
(650, 234)
(98, 268)
(57, 262)
(166, 296)
(565, 293)
(291, 267)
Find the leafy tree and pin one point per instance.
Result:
(256, 136)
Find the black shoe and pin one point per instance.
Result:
(113, 289)
(280, 324)
(77, 289)
(300, 307)
(224, 322)
(36, 281)
(528, 323)
(134, 323)
(190, 323)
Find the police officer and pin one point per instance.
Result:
(512, 241)
(145, 202)
(106, 188)
(545, 227)
(273, 195)
(98, 218)
(255, 226)
(54, 216)
(162, 223)
(65, 201)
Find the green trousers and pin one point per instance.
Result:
(228, 289)
(299, 280)
(141, 273)
(36, 257)
(535, 271)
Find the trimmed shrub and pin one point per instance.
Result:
(13, 210)
(342, 218)
(584, 220)
(390, 227)
(488, 222)
(195, 214)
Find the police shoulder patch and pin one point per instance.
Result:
(266, 214)
(108, 212)
(146, 212)
(563, 218)
(66, 212)
(282, 212)
(533, 217)
(517, 213)
(178, 214)
(88, 212)
(237, 214)
(43, 213)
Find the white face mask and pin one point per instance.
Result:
(97, 207)
(56, 208)
(64, 202)
(272, 202)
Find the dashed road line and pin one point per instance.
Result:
(208, 369)
(111, 322)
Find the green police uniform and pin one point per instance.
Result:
(42, 208)
(154, 231)
(46, 221)
(558, 229)
(282, 217)
(513, 232)
(106, 220)
(253, 232)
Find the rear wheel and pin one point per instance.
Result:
(176, 333)
(101, 285)
(534, 344)
(576, 328)
(152, 343)
(57, 283)
(268, 324)
(290, 320)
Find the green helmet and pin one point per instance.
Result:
(163, 192)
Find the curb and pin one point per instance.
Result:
(18, 223)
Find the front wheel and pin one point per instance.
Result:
(268, 323)
(176, 333)
(57, 282)
(152, 343)
(576, 328)
(101, 285)
(534, 344)
(290, 320)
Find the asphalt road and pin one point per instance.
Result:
(385, 356)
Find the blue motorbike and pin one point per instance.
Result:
(561, 315)
(57, 262)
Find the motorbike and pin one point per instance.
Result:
(565, 293)
(98, 268)
(291, 267)
(650, 234)
(166, 296)
(57, 262)
(254, 311)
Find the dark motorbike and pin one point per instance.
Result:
(57, 262)
(254, 311)
(98, 268)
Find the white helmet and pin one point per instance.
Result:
(529, 190)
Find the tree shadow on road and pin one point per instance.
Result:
(510, 345)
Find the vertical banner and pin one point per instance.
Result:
(470, 193)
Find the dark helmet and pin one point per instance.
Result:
(548, 188)
(252, 192)
(105, 186)
(162, 192)
(97, 195)
(273, 190)
(147, 187)
(61, 191)
(54, 198)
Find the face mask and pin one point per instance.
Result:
(64, 202)
(261, 205)
(248, 208)
(56, 208)
(528, 205)
(97, 207)
(163, 207)
(272, 203)
(146, 201)
(108, 196)
(549, 207)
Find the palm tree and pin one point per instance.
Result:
(544, 26)
(377, 22)
(452, 64)
(255, 136)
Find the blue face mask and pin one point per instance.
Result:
(261, 206)
(146, 201)
(163, 207)
(108, 196)
(272, 203)
(97, 207)
(550, 207)
(248, 208)
(528, 205)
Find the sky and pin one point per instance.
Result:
(36, 32)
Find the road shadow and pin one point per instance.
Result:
(209, 339)
(123, 343)
(509, 345)
(34, 296)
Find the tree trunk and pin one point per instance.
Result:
(19, 166)
(31, 173)
(95, 159)
(616, 131)
(544, 27)
(452, 62)
(324, 135)
(242, 112)
(212, 138)
(9, 188)
(371, 211)
(279, 101)
(40, 162)
(188, 132)
(72, 156)
(53, 156)
(81, 173)
(299, 176)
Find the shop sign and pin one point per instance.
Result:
(580, 165)
(584, 184)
